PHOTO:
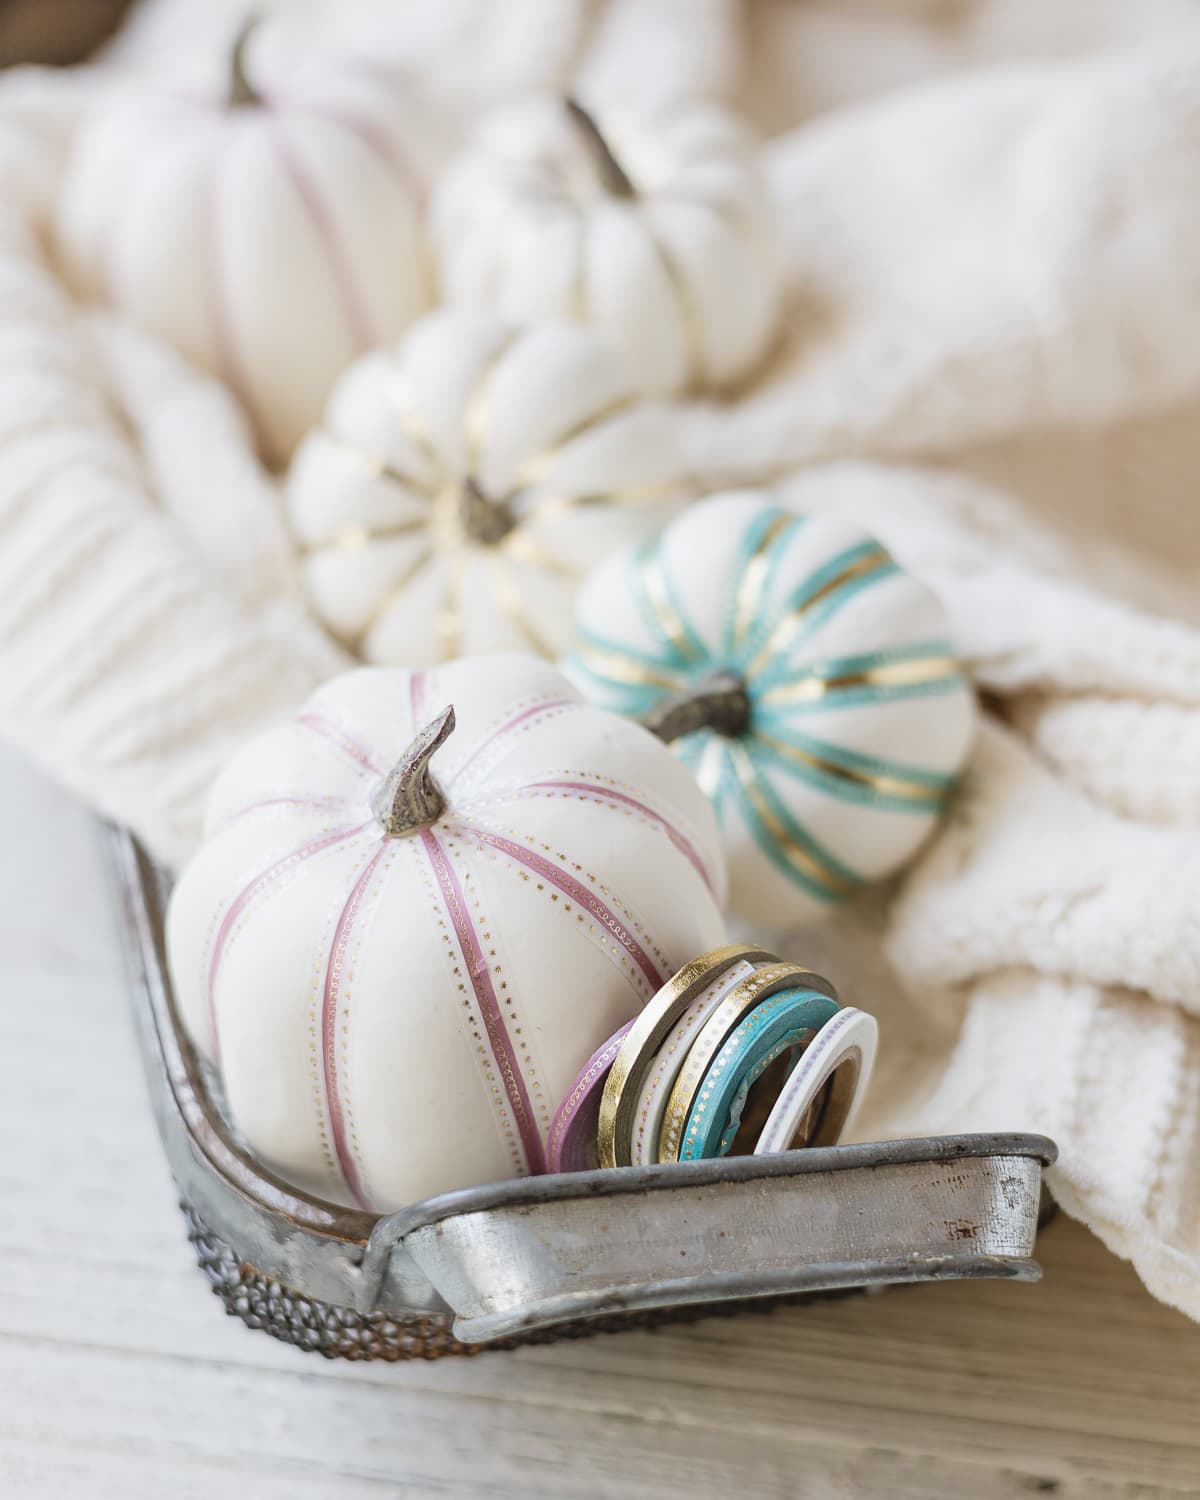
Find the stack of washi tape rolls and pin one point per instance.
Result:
(738, 1053)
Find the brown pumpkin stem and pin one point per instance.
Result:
(612, 174)
(720, 703)
(410, 798)
(242, 93)
(486, 522)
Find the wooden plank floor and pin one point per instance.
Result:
(119, 1376)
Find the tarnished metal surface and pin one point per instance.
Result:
(755, 1226)
(514, 1260)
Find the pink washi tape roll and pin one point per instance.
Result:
(571, 1142)
(659, 1081)
(841, 1055)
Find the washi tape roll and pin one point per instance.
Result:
(782, 1025)
(841, 1056)
(652, 1097)
(650, 1028)
(570, 1144)
(736, 1006)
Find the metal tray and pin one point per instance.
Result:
(561, 1255)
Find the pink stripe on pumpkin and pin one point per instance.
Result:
(484, 988)
(226, 354)
(254, 888)
(358, 319)
(554, 874)
(510, 726)
(312, 804)
(381, 146)
(351, 748)
(622, 799)
(331, 1001)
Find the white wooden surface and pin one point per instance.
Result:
(119, 1376)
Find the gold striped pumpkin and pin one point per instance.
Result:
(463, 481)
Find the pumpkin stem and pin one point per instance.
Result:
(720, 703)
(242, 92)
(485, 521)
(612, 174)
(410, 798)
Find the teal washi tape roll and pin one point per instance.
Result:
(784, 1022)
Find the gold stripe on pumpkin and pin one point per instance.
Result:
(617, 667)
(885, 785)
(919, 673)
(802, 859)
(749, 596)
(785, 629)
(391, 597)
(667, 617)
(507, 598)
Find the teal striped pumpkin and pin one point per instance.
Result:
(803, 677)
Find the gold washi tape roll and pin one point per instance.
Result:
(740, 1001)
(618, 1104)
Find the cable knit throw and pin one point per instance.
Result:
(992, 227)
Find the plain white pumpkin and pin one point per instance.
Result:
(463, 483)
(271, 231)
(399, 980)
(655, 231)
(806, 681)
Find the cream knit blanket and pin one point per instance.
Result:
(992, 219)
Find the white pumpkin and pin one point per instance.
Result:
(654, 231)
(464, 482)
(271, 233)
(805, 680)
(400, 957)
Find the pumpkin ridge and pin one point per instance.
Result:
(379, 144)
(331, 1007)
(492, 744)
(226, 354)
(552, 873)
(285, 799)
(612, 796)
(259, 885)
(342, 740)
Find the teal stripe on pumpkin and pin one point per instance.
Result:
(626, 698)
(799, 835)
(779, 715)
(779, 665)
(697, 752)
(833, 785)
(752, 539)
(831, 668)
(804, 593)
(659, 663)
(650, 556)
(843, 666)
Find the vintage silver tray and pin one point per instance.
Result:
(563, 1255)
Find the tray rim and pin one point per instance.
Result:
(207, 1134)
(529, 1192)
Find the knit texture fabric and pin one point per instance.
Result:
(992, 233)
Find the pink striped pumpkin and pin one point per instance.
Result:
(396, 1012)
(268, 228)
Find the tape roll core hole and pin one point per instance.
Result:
(822, 1122)
(760, 1100)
